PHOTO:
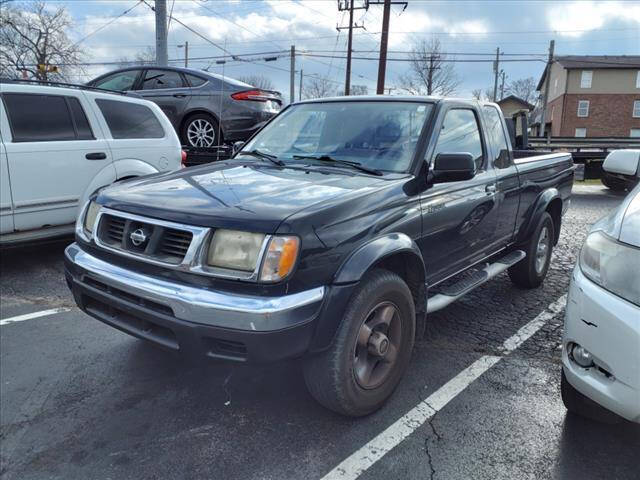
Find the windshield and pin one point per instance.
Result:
(380, 135)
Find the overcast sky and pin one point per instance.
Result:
(248, 26)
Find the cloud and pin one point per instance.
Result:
(576, 18)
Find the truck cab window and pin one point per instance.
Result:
(497, 137)
(460, 133)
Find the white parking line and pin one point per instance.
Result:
(361, 460)
(30, 316)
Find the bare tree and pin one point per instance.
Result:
(431, 72)
(33, 34)
(359, 90)
(524, 88)
(258, 81)
(318, 87)
(484, 95)
(143, 57)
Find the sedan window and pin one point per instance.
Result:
(158, 79)
(119, 81)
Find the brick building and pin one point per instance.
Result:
(593, 96)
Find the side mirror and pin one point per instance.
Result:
(237, 146)
(453, 167)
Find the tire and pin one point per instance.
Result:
(613, 183)
(339, 378)
(578, 404)
(201, 130)
(528, 273)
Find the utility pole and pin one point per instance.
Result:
(430, 75)
(186, 54)
(300, 87)
(162, 56)
(384, 40)
(496, 71)
(502, 74)
(349, 5)
(292, 75)
(545, 97)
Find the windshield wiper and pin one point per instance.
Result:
(328, 158)
(263, 156)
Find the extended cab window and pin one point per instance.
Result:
(497, 137)
(158, 79)
(119, 81)
(45, 118)
(130, 120)
(460, 134)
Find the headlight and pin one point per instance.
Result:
(90, 217)
(612, 265)
(280, 258)
(245, 252)
(235, 250)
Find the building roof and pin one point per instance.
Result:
(594, 62)
(519, 100)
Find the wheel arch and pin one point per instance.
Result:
(548, 201)
(198, 111)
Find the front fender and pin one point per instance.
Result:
(132, 167)
(536, 210)
(360, 261)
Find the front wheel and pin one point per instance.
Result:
(371, 351)
(530, 272)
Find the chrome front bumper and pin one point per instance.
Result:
(198, 305)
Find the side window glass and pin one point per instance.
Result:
(130, 120)
(158, 79)
(460, 133)
(497, 137)
(38, 118)
(120, 81)
(83, 128)
(195, 81)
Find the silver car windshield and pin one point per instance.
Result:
(382, 135)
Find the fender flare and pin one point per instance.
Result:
(347, 278)
(132, 167)
(536, 210)
(367, 255)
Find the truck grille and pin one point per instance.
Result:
(144, 239)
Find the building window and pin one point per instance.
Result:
(585, 79)
(638, 79)
(555, 86)
(581, 132)
(553, 108)
(634, 133)
(583, 108)
(636, 109)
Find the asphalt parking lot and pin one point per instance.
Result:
(81, 400)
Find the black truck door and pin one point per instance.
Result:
(507, 180)
(459, 218)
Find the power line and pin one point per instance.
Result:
(443, 60)
(108, 23)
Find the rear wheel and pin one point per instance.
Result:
(371, 351)
(530, 272)
(201, 130)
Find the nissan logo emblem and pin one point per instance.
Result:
(138, 237)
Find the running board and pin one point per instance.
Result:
(453, 292)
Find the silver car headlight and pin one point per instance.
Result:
(612, 265)
(272, 258)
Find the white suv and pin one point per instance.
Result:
(58, 145)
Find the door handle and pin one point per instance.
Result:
(96, 156)
(179, 95)
(490, 189)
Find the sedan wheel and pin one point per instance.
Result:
(201, 133)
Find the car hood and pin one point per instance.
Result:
(234, 194)
(623, 223)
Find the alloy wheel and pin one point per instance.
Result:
(543, 248)
(201, 133)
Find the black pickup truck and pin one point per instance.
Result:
(329, 237)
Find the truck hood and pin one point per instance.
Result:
(234, 194)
